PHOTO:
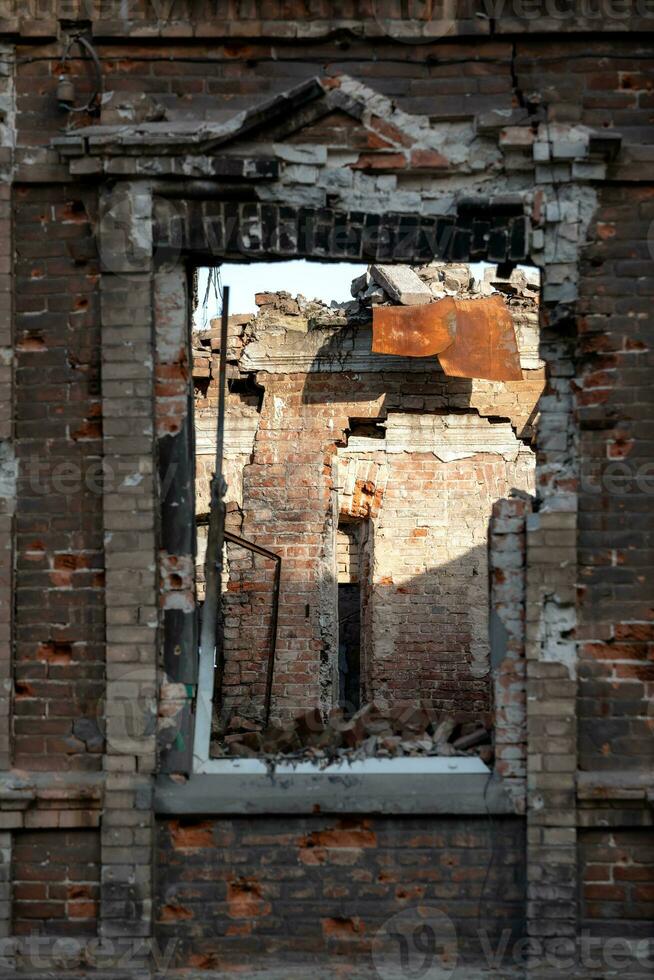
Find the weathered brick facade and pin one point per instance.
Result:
(508, 137)
(336, 881)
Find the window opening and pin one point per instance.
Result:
(360, 483)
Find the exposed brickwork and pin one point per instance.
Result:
(132, 581)
(296, 474)
(614, 405)
(507, 559)
(59, 625)
(231, 889)
(7, 464)
(505, 113)
(617, 875)
(56, 882)
(302, 445)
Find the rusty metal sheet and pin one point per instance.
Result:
(473, 338)
(484, 345)
(412, 331)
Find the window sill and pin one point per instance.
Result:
(420, 785)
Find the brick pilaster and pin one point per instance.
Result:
(508, 592)
(551, 729)
(7, 465)
(131, 565)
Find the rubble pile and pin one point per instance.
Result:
(372, 731)
(390, 285)
(380, 285)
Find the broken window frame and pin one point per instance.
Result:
(202, 760)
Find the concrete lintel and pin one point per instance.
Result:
(321, 792)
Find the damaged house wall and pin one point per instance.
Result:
(512, 139)
(435, 453)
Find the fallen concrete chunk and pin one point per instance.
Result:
(360, 283)
(402, 284)
(478, 737)
(374, 295)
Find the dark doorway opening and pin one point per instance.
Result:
(349, 616)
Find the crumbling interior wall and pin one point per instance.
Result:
(419, 456)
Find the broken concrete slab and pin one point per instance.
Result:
(402, 284)
(360, 283)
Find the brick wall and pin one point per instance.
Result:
(599, 82)
(615, 407)
(59, 625)
(235, 888)
(617, 881)
(7, 494)
(56, 882)
(419, 457)
(347, 553)
(427, 609)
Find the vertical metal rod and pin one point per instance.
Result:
(209, 679)
(222, 389)
(273, 639)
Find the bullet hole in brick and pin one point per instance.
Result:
(88, 431)
(74, 211)
(174, 913)
(32, 342)
(342, 928)
(55, 651)
(245, 899)
(70, 561)
(175, 581)
(79, 891)
(191, 834)
(23, 690)
(205, 961)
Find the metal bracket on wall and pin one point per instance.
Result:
(258, 550)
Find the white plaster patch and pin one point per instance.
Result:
(450, 437)
(133, 480)
(8, 471)
(557, 625)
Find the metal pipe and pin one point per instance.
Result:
(273, 640)
(272, 649)
(222, 390)
(210, 634)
